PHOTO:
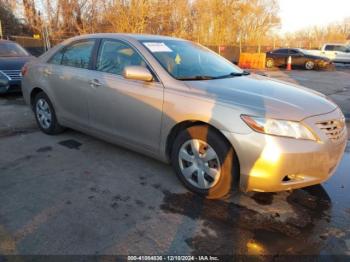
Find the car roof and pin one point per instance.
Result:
(2, 41)
(342, 44)
(288, 48)
(132, 38)
(137, 37)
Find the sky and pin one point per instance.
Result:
(298, 14)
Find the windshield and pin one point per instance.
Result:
(186, 60)
(12, 49)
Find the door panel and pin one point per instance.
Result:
(280, 57)
(70, 88)
(342, 57)
(279, 60)
(297, 59)
(128, 110)
(68, 76)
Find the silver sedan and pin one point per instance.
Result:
(219, 126)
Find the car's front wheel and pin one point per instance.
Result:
(309, 65)
(45, 115)
(205, 162)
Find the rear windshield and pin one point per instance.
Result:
(12, 49)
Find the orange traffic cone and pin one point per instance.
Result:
(289, 63)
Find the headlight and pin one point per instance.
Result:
(279, 127)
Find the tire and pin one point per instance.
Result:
(43, 108)
(224, 166)
(309, 65)
(270, 63)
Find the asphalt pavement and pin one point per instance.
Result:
(73, 194)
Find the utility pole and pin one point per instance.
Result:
(46, 38)
(1, 36)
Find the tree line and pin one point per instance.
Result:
(316, 36)
(207, 21)
(211, 22)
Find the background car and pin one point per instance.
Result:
(12, 59)
(338, 53)
(300, 59)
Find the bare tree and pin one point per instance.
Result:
(207, 21)
(316, 36)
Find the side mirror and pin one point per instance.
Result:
(137, 73)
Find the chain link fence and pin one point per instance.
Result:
(32, 45)
(231, 52)
(37, 47)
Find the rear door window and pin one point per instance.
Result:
(56, 59)
(281, 51)
(293, 52)
(78, 54)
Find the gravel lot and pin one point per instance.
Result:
(74, 194)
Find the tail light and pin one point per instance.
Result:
(24, 70)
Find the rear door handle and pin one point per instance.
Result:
(95, 83)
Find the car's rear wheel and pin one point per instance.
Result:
(270, 63)
(205, 162)
(45, 115)
(309, 65)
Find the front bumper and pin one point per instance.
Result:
(11, 86)
(272, 163)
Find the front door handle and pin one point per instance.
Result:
(47, 71)
(95, 83)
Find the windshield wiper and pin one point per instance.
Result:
(233, 74)
(204, 77)
(191, 78)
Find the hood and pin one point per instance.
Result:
(263, 96)
(14, 63)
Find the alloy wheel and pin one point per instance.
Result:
(309, 65)
(199, 163)
(43, 113)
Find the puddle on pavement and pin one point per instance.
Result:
(309, 221)
(12, 99)
(44, 149)
(17, 132)
(71, 144)
(237, 228)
